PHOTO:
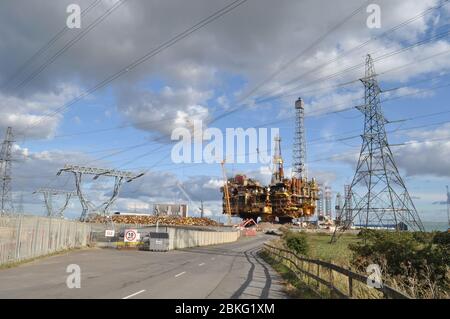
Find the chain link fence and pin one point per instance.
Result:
(27, 237)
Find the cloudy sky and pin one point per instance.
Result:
(75, 96)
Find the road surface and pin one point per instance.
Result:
(229, 271)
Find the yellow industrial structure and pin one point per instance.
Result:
(282, 200)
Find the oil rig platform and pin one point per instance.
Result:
(284, 198)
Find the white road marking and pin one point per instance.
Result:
(181, 273)
(201, 264)
(132, 295)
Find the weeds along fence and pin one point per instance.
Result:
(328, 278)
(27, 237)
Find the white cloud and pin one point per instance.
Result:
(250, 43)
(162, 112)
(429, 158)
(33, 116)
(439, 133)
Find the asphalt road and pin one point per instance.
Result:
(229, 271)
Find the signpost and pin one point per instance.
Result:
(130, 236)
(109, 233)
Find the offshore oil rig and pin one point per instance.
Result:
(284, 198)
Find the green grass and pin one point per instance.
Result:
(337, 253)
(295, 288)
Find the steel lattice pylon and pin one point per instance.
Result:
(48, 200)
(119, 177)
(6, 201)
(299, 153)
(378, 194)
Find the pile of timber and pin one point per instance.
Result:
(152, 220)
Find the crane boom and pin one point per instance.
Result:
(227, 194)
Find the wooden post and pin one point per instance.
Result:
(302, 268)
(350, 287)
(318, 275)
(309, 269)
(331, 283)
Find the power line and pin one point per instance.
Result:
(360, 65)
(240, 107)
(318, 112)
(68, 45)
(283, 67)
(45, 47)
(115, 127)
(302, 53)
(160, 48)
(360, 46)
(392, 131)
(340, 85)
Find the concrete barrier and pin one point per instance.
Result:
(179, 236)
(184, 238)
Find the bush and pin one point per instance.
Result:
(420, 257)
(297, 242)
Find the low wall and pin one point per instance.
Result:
(184, 238)
(27, 237)
(179, 236)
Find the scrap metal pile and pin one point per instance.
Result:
(152, 220)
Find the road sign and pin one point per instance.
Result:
(109, 233)
(130, 236)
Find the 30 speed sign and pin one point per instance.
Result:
(130, 236)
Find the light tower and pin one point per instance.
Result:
(6, 202)
(380, 197)
(278, 170)
(299, 150)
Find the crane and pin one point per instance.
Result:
(181, 188)
(227, 194)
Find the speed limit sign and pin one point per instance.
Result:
(130, 236)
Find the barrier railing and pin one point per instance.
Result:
(324, 273)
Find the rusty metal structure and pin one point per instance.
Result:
(283, 199)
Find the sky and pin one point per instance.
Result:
(244, 69)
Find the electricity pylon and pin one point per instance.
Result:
(379, 195)
(48, 200)
(119, 177)
(6, 201)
